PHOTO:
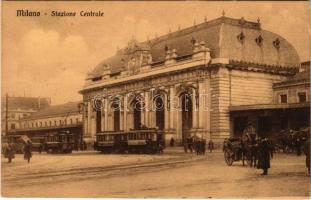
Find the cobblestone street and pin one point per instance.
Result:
(172, 174)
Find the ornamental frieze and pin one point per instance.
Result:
(143, 85)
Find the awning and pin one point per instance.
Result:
(269, 106)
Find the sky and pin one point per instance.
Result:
(50, 56)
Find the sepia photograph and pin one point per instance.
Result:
(155, 99)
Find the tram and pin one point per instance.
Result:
(133, 141)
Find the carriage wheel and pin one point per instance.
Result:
(228, 157)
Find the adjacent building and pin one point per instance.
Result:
(203, 80)
(290, 108)
(65, 117)
(18, 108)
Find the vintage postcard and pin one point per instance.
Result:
(161, 99)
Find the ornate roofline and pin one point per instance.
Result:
(257, 67)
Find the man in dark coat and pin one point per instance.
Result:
(210, 145)
(9, 152)
(172, 142)
(307, 153)
(27, 151)
(298, 147)
(264, 156)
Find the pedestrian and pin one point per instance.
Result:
(197, 147)
(40, 149)
(9, 152)
(172, 142)
(307, 153)
(27, 151)
(203, 146)
(224, 146)
(185, 145)
(298, 147)
(210, 146)
(264, 156)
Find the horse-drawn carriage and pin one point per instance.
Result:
(242, 148)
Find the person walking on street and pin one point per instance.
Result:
(264, 156)
(9, 152)
(210, 146)
(172, 142)
(298, 146)
(307, 153)
(27, 151)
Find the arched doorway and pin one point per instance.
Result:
(160, 112)
(136, 105)
(116, 114)
(98, 121)
(186, 114)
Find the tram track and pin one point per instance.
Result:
(93, 172)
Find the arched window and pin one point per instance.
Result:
(137, 108)
(186, 113)
(160, 111)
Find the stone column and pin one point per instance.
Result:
(166, 113)
(208, 107)
(103, 126)
(142, 110)
(147, 109)
(125, 127)
(106, 114)
(201, 104)
(89, 113)
(194, 110)
(121, 115)
(172, 109)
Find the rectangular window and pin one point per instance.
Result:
(302, 97)
(12, 126)
(283, 98)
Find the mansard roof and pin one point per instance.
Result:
(235, 39)
(55, 110)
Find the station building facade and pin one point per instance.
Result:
(185, 82)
